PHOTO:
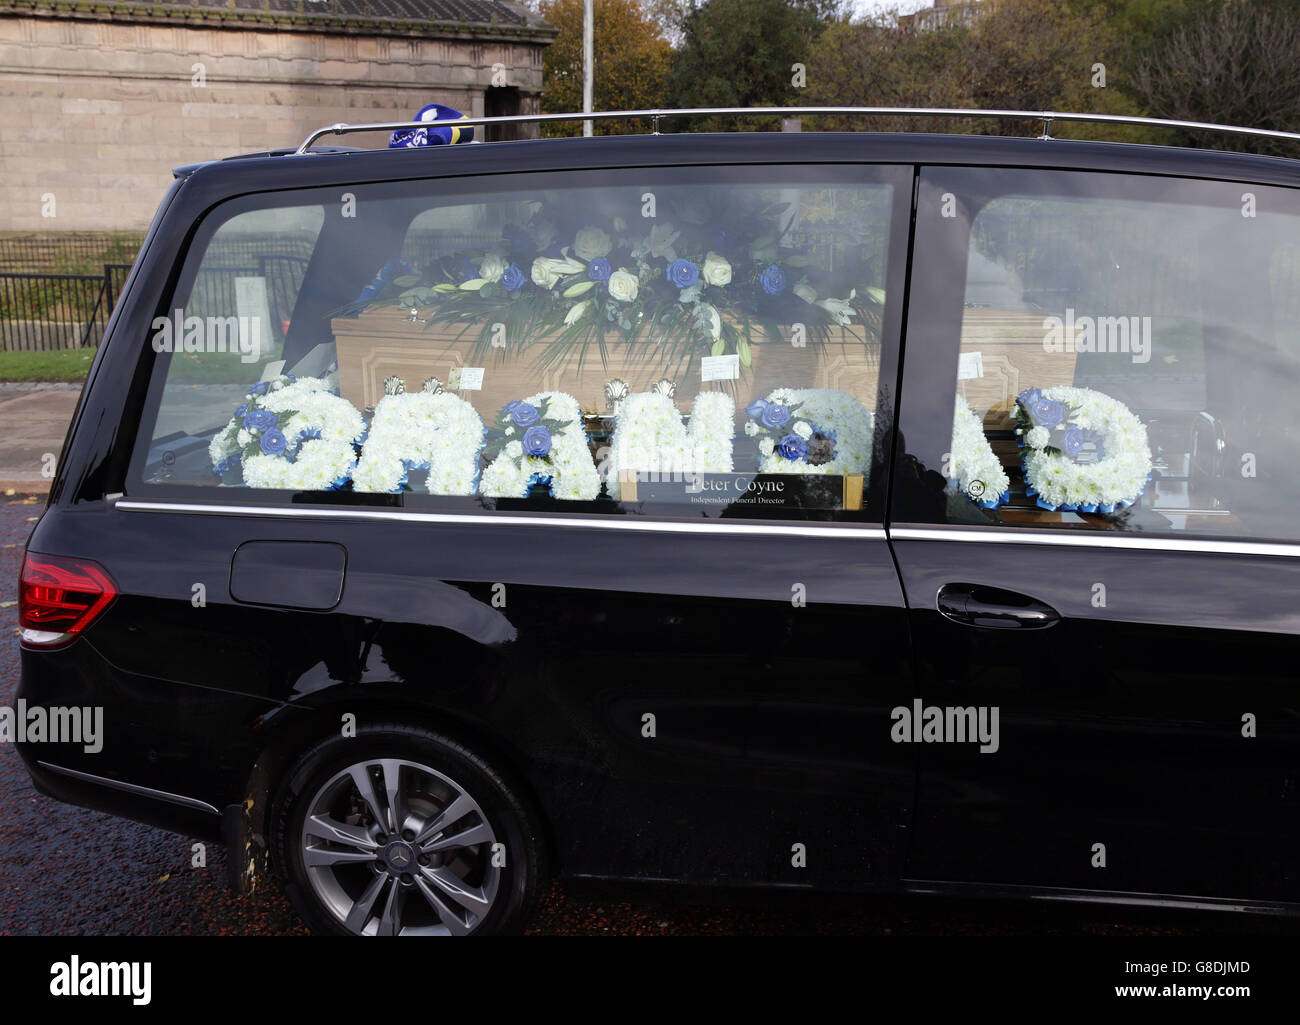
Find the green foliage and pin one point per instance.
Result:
(741, 53)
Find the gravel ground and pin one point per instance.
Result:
(66, 871)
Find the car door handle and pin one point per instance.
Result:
(993, 608)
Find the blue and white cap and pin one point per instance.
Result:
(443, 135)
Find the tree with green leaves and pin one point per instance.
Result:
(746, 53)
(631, 60)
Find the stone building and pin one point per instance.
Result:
(99, 100)
(945, 11)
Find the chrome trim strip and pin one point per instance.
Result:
(1082, 539)
(132, 788)
(1119, 897)
(1046, 116)
(506, 519)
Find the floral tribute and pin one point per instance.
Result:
(291, 433)
(429, 430)
(540, 440)
(691, 281)
(811, 430)
(649, 436)
(975, 469)
(1083, 451)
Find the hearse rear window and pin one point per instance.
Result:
(683, 347)
(1129, 356)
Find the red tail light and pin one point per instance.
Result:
(58, 598)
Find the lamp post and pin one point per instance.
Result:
(587, 44)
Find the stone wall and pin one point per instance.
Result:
(94, 114)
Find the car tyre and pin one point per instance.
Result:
(403, 831)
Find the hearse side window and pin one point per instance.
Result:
(680, 348)
(1131, 364)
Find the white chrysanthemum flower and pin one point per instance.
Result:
(649, 436)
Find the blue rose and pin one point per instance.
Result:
(775, 415)
(523, 414)
(755, 408)
(599, 269)
(792, 447)
(468, 272)
(772, 280)
(273, 443)
(1047, 412)
(537, 440)
(260, 388)
(260, 420)
(512, 278)
(1074, 438)
(683, 273)
(241, 410)
(1028, 397)
(394, 268)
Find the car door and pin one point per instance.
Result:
(1133, 663)
(687, 661)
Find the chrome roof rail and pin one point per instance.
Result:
(1045, 116)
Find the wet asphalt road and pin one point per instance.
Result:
(66, 871)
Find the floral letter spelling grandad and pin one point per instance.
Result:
(649, 436)
(1083, 451)
(975, 469)
(540, 440)
(811, 430)
(431, 430)
(292, 433)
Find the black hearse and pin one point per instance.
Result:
(893, 512)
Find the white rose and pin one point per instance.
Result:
(591, 243)
(544, 274)
(716, 270)
(805, 292)
(622, 285)
(1038, 437)
(492, 267)
(802, 429)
